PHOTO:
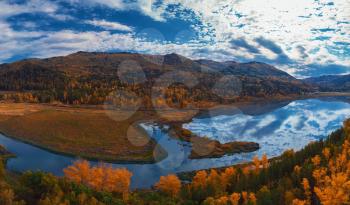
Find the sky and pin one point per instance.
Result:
(302, 37)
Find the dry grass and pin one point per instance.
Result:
(84, 132)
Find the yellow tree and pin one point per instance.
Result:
(200, 179)
(100, 178)
(316, 160)
(256, 163)
(252, 198)
(326, 153)
(265, 161)
(117, 180)
(245, 197)
(221, 201)
(214, 181)
(96, 178)
(333, 182)
(298, 202)
(170, 185)
(79, 172)
(234, 198)
(227, 176)
(306, 187)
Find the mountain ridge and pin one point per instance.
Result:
(89, 77)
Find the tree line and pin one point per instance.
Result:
(317, 174)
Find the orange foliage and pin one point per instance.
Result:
(333, 181)
(326, 153)
(264, 161)
(169, 184)
(245, 197)
(298, 202)
(101, 177)
(214, 180)
(200, 179)
(252, 198)
(256, 163)
(306, 186)
(227, 175)
(79, 172)
(316, 160)
(234, 198)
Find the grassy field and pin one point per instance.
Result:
(86, 132)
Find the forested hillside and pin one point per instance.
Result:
(317, 174)
(331, 82)
(91, 78)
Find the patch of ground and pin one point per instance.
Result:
(86, 132)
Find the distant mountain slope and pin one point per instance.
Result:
(88, 78)
(331, 82)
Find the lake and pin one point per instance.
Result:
(275, 126)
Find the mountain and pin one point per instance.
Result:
(340, 83)
(90, 77)
(252, 69)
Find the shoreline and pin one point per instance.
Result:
(94, 159)
(154, 118)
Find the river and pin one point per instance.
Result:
(276, 127)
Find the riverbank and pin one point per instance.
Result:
(203, 147)
(5, 154)
(95, 133)
(87, 133)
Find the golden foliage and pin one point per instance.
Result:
(79, 172)
(316, 160)
(170, 185)
(333, 181)
(326, 153)
(252, 198)
(200, 179)
(306, 186)
(100, 178)
(234, 198)
(264, 161)
(298, 202)
(227, 175)
(256, 163)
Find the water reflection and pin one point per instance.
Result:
(285, 126)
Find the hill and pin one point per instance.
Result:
(89, 78)
(340, 83)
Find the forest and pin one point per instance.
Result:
(95, 78)
(317, 174)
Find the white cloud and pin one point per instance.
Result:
(291, 25)
(8, 9)
(110, 25)
(116, 4)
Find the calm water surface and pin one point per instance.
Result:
(276, 127)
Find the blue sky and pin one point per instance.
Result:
(302, 37)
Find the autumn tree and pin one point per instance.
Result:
(256, 163)
(333, 181)
(170, 185)
(264, 161)
(234, 198)
(79, 172)
(227, 177)
(214, 183)
(306, 186)
(101, 177)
